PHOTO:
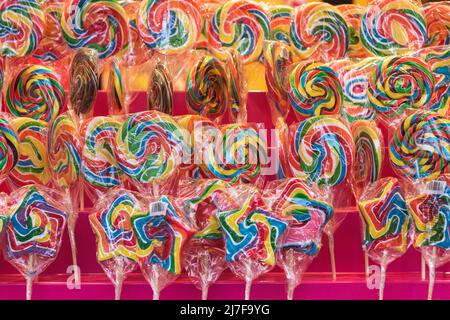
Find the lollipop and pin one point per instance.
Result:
(314, 89)
(98, 25)
(400, 83)
(169, 26)
(116, 242)
(251, 235)
(419, 148)
(83, 81)
(21, 27)
(9, 148)
(32, 167)
(160, 91)
(437, 17)
(36, 92)
(280, 23)
(319, 32)
(161, 234)
(115, 88)
(207, 90)
(308, 212)
(393, 27)
(2, 77)
(34, 236)
(386, 222)
(242, 25)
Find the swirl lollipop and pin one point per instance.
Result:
(400, 83)
(169, 26)
(115, 90)
(251, 235)
(9, 148)
(83, 81)
(393, 27)
(161, 235)
(437, 17)
(32, 167)
(160, 91)
(386, 222)
(36, 92)
(116, 242)
(242, 25)
(34, 236)
(207, 91)
(21, 27)
(280, 23)
(101, 25)
(419, 147)
(319, 32)
(314, 89)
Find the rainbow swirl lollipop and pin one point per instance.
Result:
(242, 25)
(35, 92)
(321, 150)
(393, 27)
(437, 17)
(280, 23)
(400, 83)
(314, 89)
(160, 91)
(21, 27)
(319, 32)
(101, 25)
(169, 26)
(9, 148)
(420, 146)
(353, 14)
(32, 167)
(115, 88)
(207, 89)
(98, 164)
(64, 148)
(238, 154)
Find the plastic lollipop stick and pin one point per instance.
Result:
(30, 278)
(431, 268)
(248, 278)
(204, 265)
(423, 269)
(329, 233)
(383, 275)
(290, 274)
(154, 275)
(119, 277)
(71, 224)
(366, 264)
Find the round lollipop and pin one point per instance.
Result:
(280, 23)
(35, 92)
(21, 27)
(116, 242)
(9, 148)
(161, 235)
(437, 17)
(160, 91)
(101, 25)
(393, 27)
(34, 236)
(115, 89)
(314, 89)
(319, 32)
(386, 223)
(251, 235)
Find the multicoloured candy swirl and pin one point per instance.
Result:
(32, 167)
(160, 91)
(36, 226)
(393, 27)
(321, 150)
(169, 26)
(319, 32)
(64, 149)
(420, 146)
(353, 14)
(207, 92)
(242, 25)
(400, 83)
(35, 92)
(9, 148)
(280, 23)
(115, 88)
(437, 16)
(101, 25)
(251, 231)
(314, 89)
(21, 27)
(99, 166)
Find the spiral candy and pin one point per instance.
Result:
(32, 167)
(21, 27)
(420, 146)
(437, 17)
(400, 83)
(169, 26)
(321, 150)
(393, 27)
(9, 148)
(242, 25)
(207, 88)
(280, 23)
(314, 89)
(160, 91)
(353, 14)
(115, 88)
(36, 92)
(319, 31)
(101, 25)
(64, 148)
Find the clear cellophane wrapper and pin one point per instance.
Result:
(309, 209)
(437, 17)
(10, 143)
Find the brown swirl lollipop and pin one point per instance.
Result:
(160, 93)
